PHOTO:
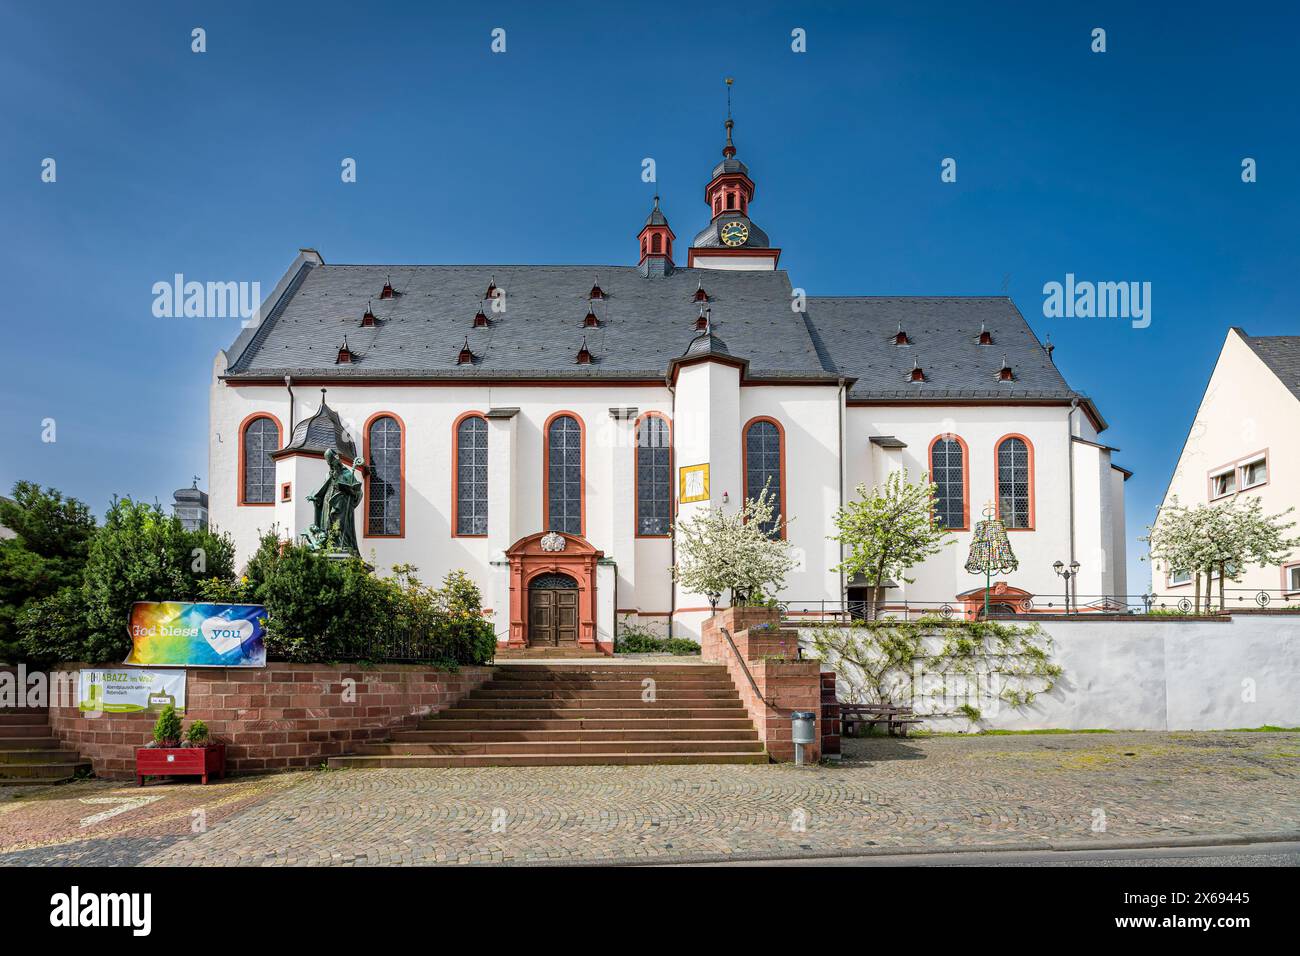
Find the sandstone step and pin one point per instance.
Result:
(406, 748)
(576, 703)
(608, 671)
(34, 735)
(542, 760)
(8, 757)
(437, 725)
(46, 772)
(478, 735)
(631, 683)
(728, 709)
(601, 693)
(541, 653)
(24, 717)
(31, 742)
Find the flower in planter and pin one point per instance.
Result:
(167, 729)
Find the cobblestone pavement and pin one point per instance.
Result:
(111, 823)
(938, 792)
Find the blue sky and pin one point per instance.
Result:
(1117, 166)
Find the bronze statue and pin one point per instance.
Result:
(334, 526)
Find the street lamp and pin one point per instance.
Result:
(1071, 572)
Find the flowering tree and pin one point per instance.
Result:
(1210, 539)
(717, 552)
(888, 529)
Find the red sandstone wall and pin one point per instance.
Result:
(784, 684)
(283, 716)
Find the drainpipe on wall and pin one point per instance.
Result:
(672, 538)
(288, 384)
(1069, 426)
(844, 463)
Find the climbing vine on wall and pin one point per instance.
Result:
(888, 661)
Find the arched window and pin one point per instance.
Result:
(731, 200)
(564, 475)
(948, 472)
(384, 486)
(472, 475)
(654, 500)
(1016, 482)
(656, 243)
(765, 467)
(261, 436)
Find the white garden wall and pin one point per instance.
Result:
(1156, 674)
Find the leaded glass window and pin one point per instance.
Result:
(261, 437)
(472, 476)
(1013, 483)
(384, 515)
(653, 477)
(763, 467)
(564, 476)
(947, 471)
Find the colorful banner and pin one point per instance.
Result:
(174, 634)
(122, 690)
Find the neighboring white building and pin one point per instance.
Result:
(495, 405)
(1245, 439)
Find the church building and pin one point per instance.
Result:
(543, 427)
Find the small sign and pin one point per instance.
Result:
(130, 690)
(694, 483)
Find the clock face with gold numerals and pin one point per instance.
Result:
(734, 233)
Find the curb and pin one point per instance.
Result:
(1059, 846)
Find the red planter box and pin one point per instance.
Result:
(180, 762)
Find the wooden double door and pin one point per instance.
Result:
(552, 611)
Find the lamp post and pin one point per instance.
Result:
(1072, 571)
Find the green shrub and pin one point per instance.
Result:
(322, 609)
(630, 638)
(52, 536)
(167, 729)
(143, 554)
(54, 629)
(198, 735)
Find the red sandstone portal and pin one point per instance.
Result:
(528, 559)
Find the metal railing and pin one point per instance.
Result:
(1011, 606)
(744, 666)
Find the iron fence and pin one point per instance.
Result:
(1006, 606)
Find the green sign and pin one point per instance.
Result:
(130, 690)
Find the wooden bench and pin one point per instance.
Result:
(896, 718)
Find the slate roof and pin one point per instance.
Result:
(1281, 353)
(855, 334)
(644, 323)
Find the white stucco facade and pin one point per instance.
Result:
(1247, 416)
(827, 452)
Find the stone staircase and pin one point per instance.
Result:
(563, 714)
(30, 755)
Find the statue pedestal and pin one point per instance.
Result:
(347, 556)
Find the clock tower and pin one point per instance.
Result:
(731, 240)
